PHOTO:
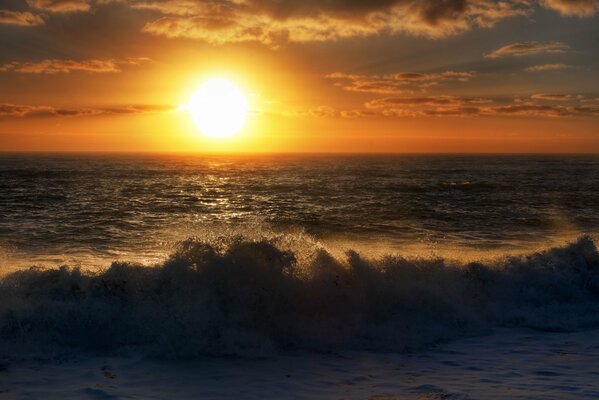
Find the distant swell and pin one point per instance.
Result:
(253, 297)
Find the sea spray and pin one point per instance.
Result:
(254, 297)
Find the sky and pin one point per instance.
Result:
(429, 76)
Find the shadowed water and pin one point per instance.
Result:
(247, 297)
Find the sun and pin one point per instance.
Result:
(218, 108)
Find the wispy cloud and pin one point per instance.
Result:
(442, 100)
(548, 67)
(538, 110)
(8, 110)
(578, 8)
(60, 6)
(397, 83)
(551, 97)
(538, 105)
(323, 112)
(8, 17)
(528, 48)
(67, 66)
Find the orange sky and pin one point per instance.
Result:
(381, 76)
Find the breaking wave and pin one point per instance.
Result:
(254, 297)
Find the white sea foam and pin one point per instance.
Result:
(245, 296)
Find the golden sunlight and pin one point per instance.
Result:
(218, 108)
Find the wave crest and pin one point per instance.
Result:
(254, 296)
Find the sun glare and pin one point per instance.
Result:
(218, 108)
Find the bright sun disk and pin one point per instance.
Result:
(218, 108)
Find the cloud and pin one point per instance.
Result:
(187, 7)
(528, 48)
(551, 97)
(67, 66)
(548, 67)
(537, 110)
(397, 83)
(458, 106)
(8, 110)
(19, 18)
(360, 114)
(595, 100)
(578, 8)
(490, 13)
(440, 105)
(426, 101)
(323, 112)
(275, 21)
(60, 6)
(459, 111)
(215, 31)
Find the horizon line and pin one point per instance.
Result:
(324, 153)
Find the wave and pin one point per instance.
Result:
(255, 297)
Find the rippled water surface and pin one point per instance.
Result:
(68, 208)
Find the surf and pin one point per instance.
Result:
(254, 297)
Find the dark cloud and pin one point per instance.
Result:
(270, 21)
(273, 22)
(284, 9)
(433, 12)
(528, 48)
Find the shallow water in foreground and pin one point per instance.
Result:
(511, 364)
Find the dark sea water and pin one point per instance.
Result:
(96, 208)
(250, 255)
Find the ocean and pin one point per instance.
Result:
(90, 209)
(182, 256)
